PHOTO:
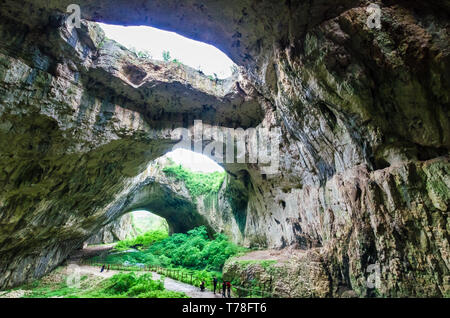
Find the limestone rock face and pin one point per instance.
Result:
(390, 225)
(363, 180)
(118, 230)
(303, 274)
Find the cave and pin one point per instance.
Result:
(339, 129)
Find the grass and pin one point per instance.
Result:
(192, 258)
(196, 182)
(122, 285)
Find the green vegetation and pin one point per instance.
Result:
(193, 250)
(102, 43)
(177, 62)
(122, 285)
(196, 182)
(60, 290)
(125, 285)
(166, 56)
(145, 240)
(190, 258)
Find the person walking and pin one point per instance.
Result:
(103, 268)
(202, 286)
(215, 284)
(229, 289)
(224, 288)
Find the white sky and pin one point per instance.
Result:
(194, 161)
(193, 53)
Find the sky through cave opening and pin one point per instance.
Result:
(193, 161)
(169, 46)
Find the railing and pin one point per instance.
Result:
(262, 289)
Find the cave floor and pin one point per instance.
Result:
(169, 284)
(95, 277)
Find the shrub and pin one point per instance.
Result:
(193, 250)
(166, 56)
(131, 285)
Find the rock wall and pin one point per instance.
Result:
(118, 230)
(364, 115)
(392, 223)
(61, 139)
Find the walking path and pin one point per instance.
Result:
(169, 283)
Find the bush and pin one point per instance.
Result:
(166, 56)
(131, 285)
(193, 250)
(145, 240)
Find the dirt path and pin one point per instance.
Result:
(169, 283)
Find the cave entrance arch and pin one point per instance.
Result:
(170, 197)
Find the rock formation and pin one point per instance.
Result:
(364, 113)
(118, 230)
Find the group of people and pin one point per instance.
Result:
(226, 287)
